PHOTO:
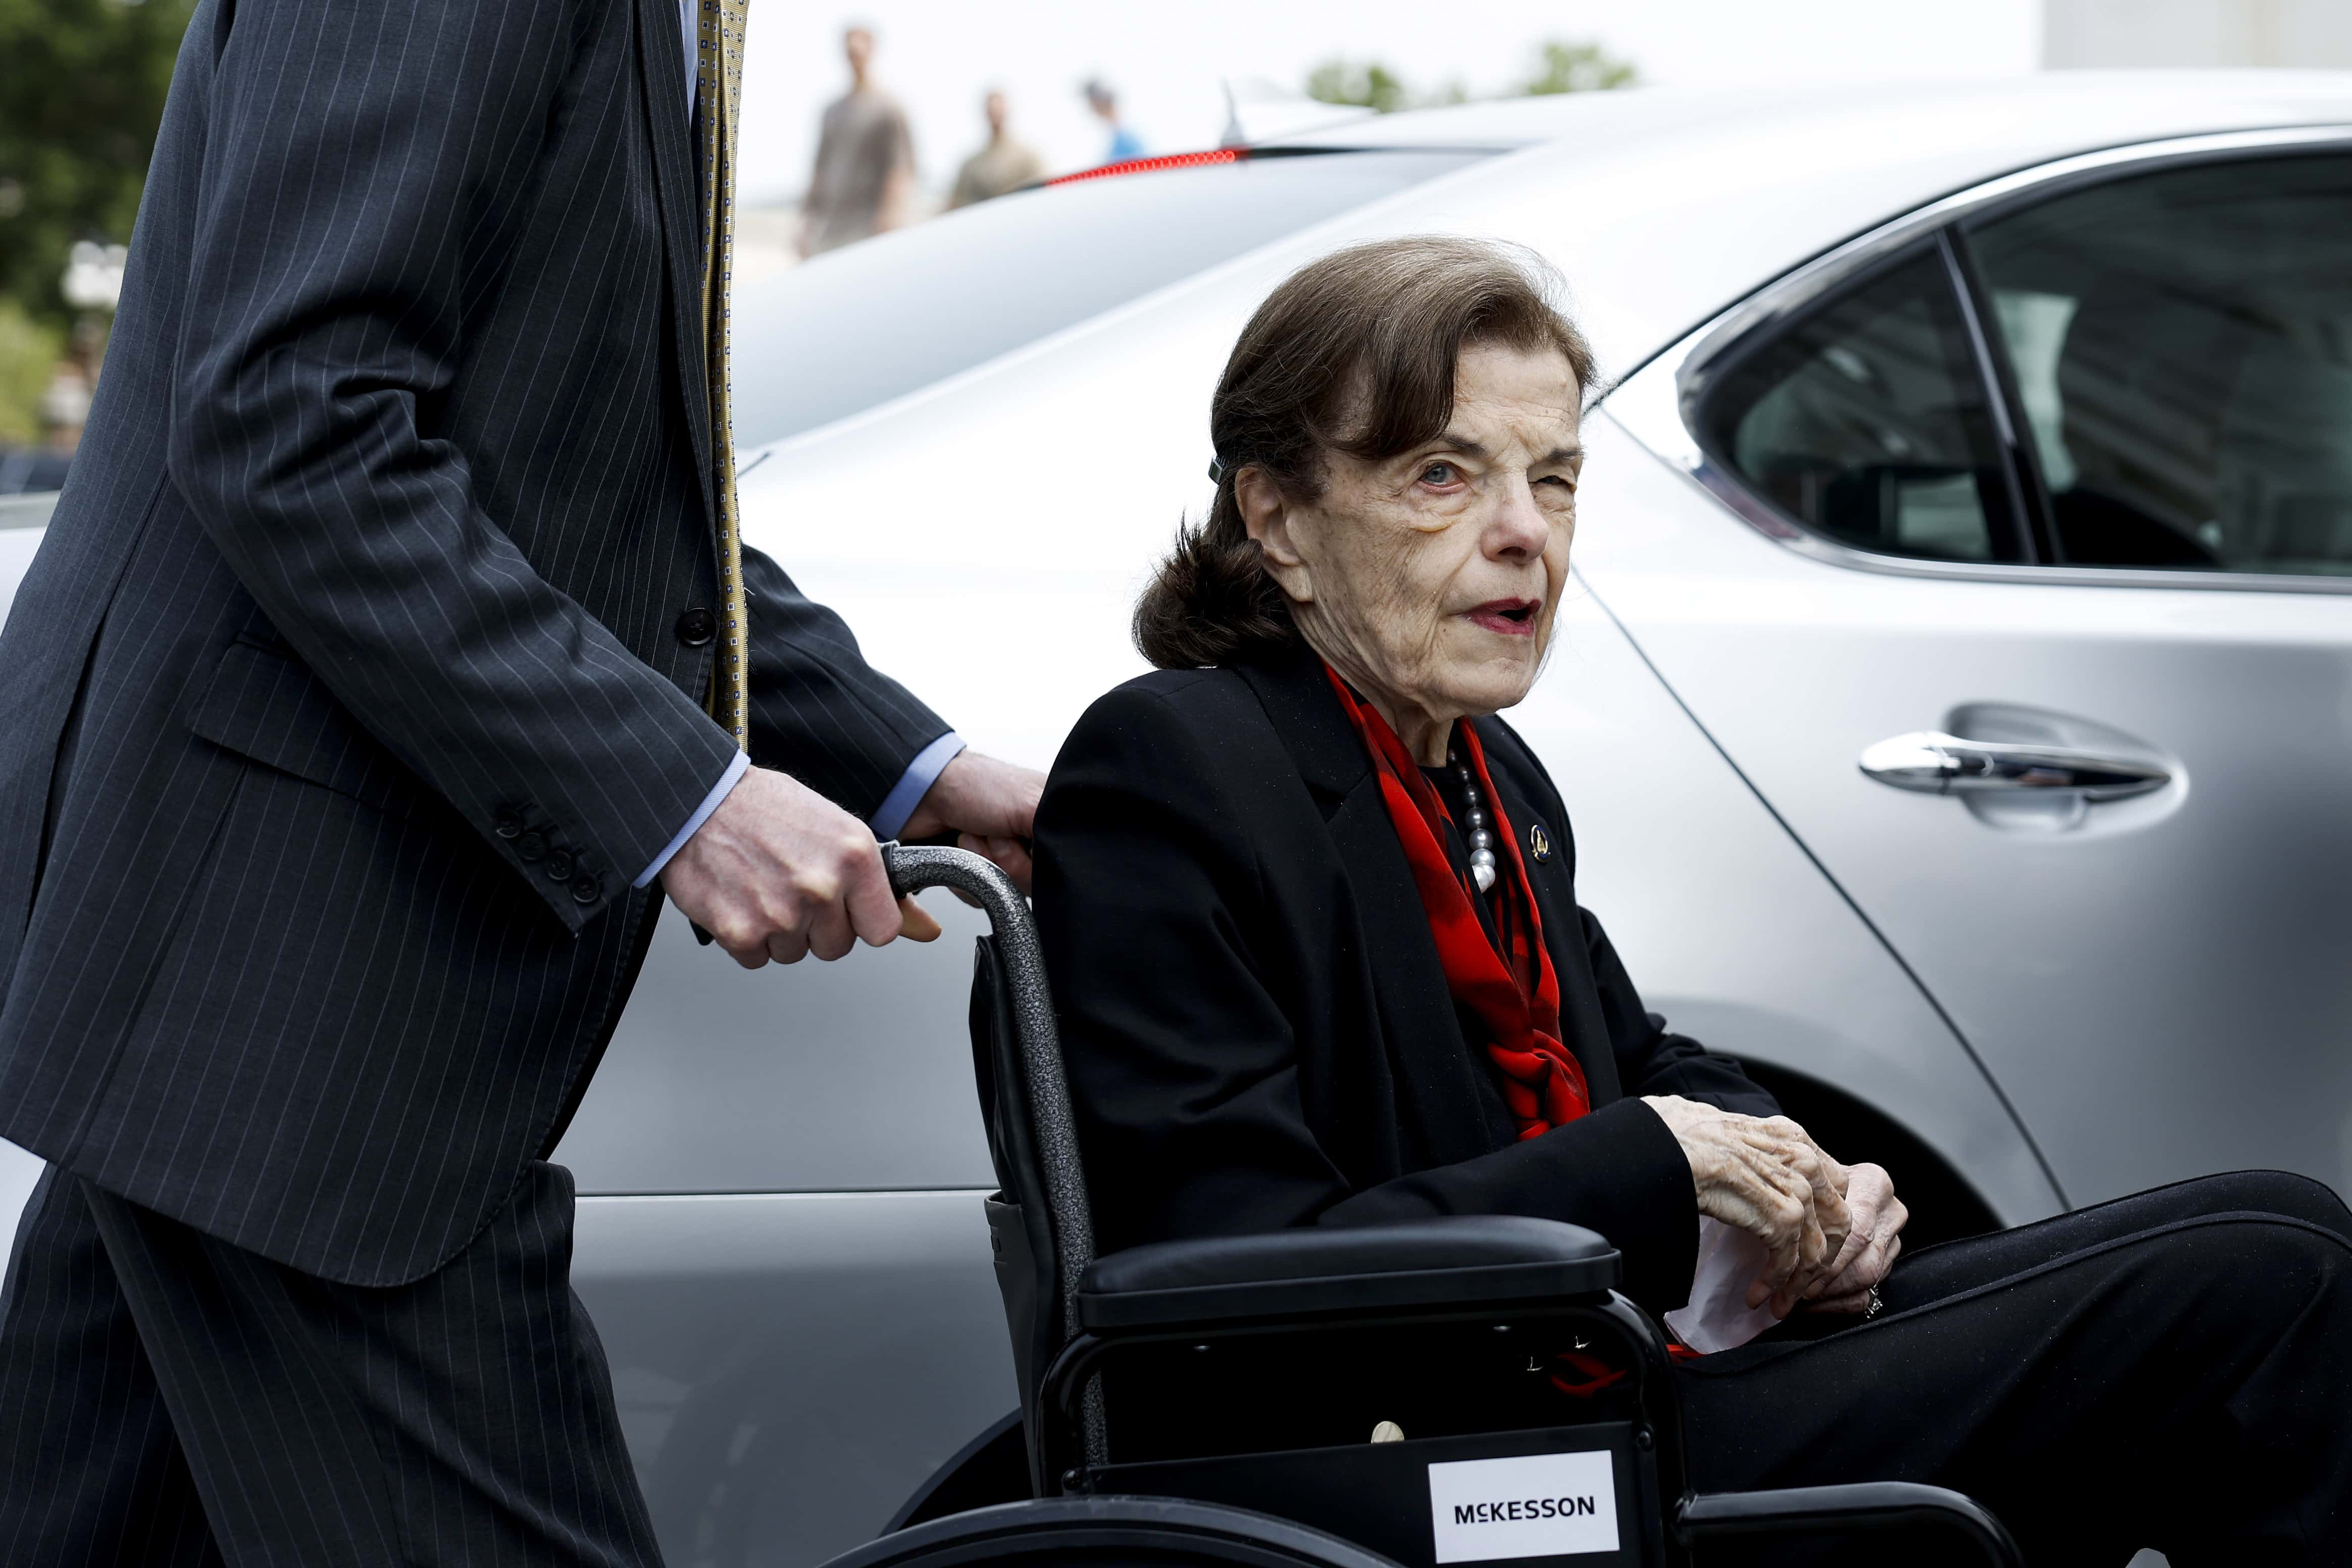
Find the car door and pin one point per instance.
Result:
(2014, 579)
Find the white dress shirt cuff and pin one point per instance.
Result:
(914, 784)
(735, 770)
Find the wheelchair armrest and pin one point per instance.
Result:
(1862, 1505)
(1462, 1261)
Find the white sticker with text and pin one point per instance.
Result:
(1536, 1505)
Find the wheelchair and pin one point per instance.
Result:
(1469, 1389)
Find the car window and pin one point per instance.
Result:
(870, 321)
(1867, 421)
(2181, 344)
(32, 471)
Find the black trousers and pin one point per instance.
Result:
(2170, 1370)
(166, 1398)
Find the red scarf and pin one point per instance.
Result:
(1506, 982)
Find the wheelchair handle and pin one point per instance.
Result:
(1053, 1124)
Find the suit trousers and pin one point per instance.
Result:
(166, 1398)
(2172, 1370)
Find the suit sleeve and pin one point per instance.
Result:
(1175, 984)
(355, 158)
(818, 711)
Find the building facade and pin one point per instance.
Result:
(2309, 34)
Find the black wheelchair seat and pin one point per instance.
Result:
(1378, 1396)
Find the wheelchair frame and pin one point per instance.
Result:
(1034, 1140)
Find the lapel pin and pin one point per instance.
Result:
(1539, 842)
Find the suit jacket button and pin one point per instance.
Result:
(559, 866)
(587, 888)
(506, 822)
(531, 844)
(696, 626)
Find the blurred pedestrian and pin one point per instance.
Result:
(1124, 143)
(865, 169)
(65, 407)
(1001, 167)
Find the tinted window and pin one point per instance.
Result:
(1867, 422)
(2182, 344)
(872, 320)
(31, 470)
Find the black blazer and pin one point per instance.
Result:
(352, 684)
(1258, 1030)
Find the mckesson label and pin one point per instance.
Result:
(1536, 1505)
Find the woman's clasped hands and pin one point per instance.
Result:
(1829, 1231)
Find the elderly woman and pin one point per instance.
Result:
(1310, 911)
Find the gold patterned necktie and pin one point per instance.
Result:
(720, 88)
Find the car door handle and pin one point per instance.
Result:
(1934, 764)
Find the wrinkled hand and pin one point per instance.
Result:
(991, 806)
(778, 871)
(1870, 1246)
(1769, 1179)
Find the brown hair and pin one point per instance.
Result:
(1356, 354)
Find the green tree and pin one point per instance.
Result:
(1561, 66)
(28, 348)
(1367, 84)
(1577, 67)
(82, 93)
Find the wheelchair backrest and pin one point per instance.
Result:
(1026, 1243)
(1039, 1222)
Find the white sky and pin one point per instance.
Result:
(1167, 60)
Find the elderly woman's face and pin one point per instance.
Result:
(1430, 579)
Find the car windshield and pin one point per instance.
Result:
(873, 320)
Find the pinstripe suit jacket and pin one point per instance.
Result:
(344, 698)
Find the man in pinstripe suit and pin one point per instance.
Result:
(353, 707)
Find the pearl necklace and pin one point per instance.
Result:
(1482, 842)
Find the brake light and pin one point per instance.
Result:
(1152, 165)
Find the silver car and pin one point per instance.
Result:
(1955, 707)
